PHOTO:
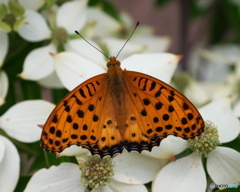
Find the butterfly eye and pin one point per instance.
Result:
(109, 64)
(118, 63)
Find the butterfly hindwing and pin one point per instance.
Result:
(160, 110)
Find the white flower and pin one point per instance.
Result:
(9, 165)
(66, 177)
(22, 119)
(223, 164)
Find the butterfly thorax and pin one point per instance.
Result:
(116, 81)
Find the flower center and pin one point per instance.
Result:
(10, 19)
(96, 171)
(207, 141)
(59, 37)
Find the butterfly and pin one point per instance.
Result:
(119, 110)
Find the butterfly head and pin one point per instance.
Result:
(113, 62)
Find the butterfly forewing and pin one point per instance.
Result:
(162, 110)
(75, 119)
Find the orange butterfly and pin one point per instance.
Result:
(120, 109)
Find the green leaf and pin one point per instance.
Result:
(225, 19)
(229, 189)
(58, 94)
(22, 182)
(235, 144)
(196, 10)
(161, 2)
(107, 7)
(111, 10)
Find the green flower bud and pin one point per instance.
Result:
(5, 27)
(3, 11)
(16, 8)
(19, 23)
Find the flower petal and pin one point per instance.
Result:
(114, 45)
(169, 147)
(3, 46)
(33, 4)
(133, 168)
(2, 150)
(181, 176)
(21, 120)
(38, 63)
(72, 15)
(196, 93)
(103, 21)
(74, 150)
(36, 28)
(51, 81)
(65, 177)
(9, 166)
(221, 114)
(223, 165)
(159, 65)
(117, 186)
(236, 109)
(81, 47)
(73, 69)
(153, 44)
(3, 87)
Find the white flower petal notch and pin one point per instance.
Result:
(3, 87)
(36, 28)
(181, 176)
(64, 178)
(223, 117)
(9, 166)
(72, 15)
(21, 120)
(158, 65)
(223, 165)
(73, 69)
(38, 64)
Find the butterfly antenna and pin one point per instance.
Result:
(128, 39)
(92, 44)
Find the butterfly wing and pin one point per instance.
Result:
(81, 118)
(157, 110)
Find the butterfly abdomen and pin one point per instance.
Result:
(117, 86)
